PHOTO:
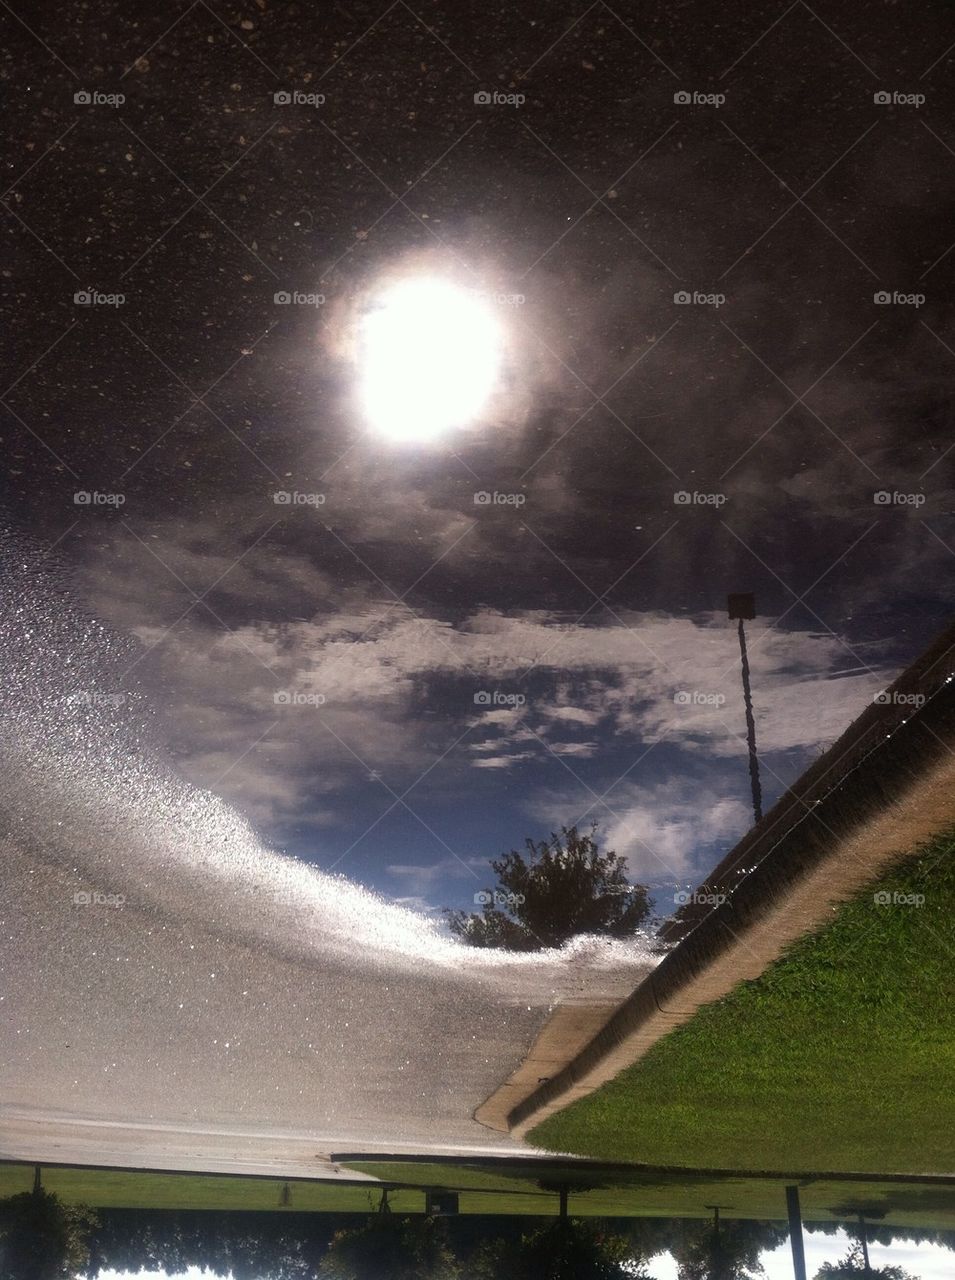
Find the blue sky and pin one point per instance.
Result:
(405, 752)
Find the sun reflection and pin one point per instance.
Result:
(429, 358)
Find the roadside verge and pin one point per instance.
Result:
(885, 787)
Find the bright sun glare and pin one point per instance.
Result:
(430, 352)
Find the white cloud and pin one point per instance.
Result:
(576, 715)
(583, 749)
(414, 902)
(928, 1261)
(657, 828)
(419, 878)
(501, 762)
(391, 690)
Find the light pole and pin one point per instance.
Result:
(865, 1244)
(716, 1246)
(743, 606)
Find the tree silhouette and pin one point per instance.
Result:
(282, 1246)
(724, 1250)
(567, 1250)
(855, 1266)
(561, 888)
(388, 1247)
(40, 1237)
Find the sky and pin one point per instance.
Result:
(717, 267)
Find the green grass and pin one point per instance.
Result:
(840, 1057)
(652, 1193)
(122, 1189)
(491, 1189)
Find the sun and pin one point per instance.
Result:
(429, 358)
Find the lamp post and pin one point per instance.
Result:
(864, 1240)
(716, 1244)
(740, 607)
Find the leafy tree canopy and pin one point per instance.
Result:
(852, 1267)
(41, 1238)
(568, 1250)
(558, 889)
(388, 1247)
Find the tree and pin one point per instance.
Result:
(854, 1266)
(388, 1247)
(41, 1238)
(561, 888)
(282, 1246)
(568, 1250)
(724, 1250)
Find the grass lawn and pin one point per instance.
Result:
(122, 1189)
(491, 1189)
(840, 1057)
(654, 1193)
